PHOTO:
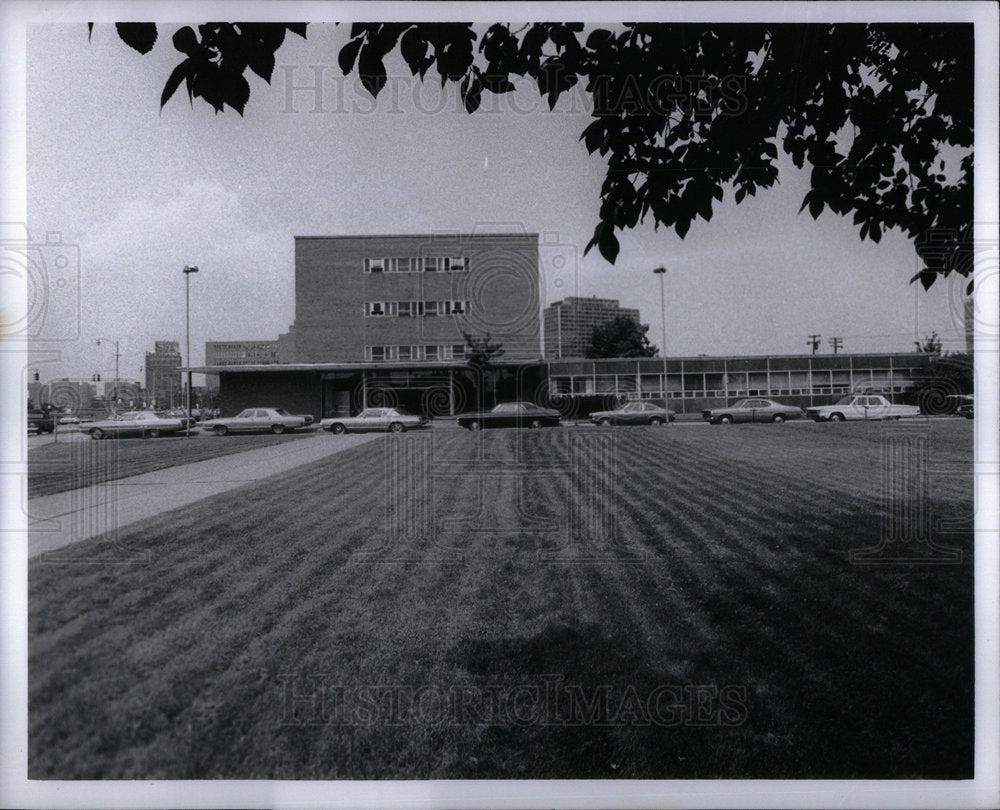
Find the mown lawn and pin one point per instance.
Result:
(59, 466)
(654, 603)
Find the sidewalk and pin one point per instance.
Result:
(64, 518)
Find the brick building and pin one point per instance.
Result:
(163, 374)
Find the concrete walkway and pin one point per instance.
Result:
(64, 518)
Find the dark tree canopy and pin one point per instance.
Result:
(685, 114)
(622, 336)
(481, 351)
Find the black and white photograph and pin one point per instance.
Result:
(527, 405)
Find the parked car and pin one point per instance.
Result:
(752, 410)
(965, 405)
(634, 413)
(510, 414)
(41, 421)
(257, 420)
(136, 423)
(861, 406)
(180, 412)
(395, 420)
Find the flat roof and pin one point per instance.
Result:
(445, 364)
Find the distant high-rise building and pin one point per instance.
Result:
(569, 323)
(163, 374)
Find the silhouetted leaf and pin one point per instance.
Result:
(185, 40)
(262, 63)
(140, 36)
(180, 73)
(348, 54)
(371, 70)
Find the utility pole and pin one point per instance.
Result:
(837, 343)
(814, 342)
(188, 270)
(661, 271)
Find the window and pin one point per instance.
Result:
(406, 352)
(430, 308)
(431, 352)
(377, 353)
(402, 265)
(403, 309)
(374, 265)
(431, 264)
(459, 307)
(457, 265)
(458, 350)
(374, 308)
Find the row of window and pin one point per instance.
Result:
(452, 351)
(413, 309)
(820, 390)
(424, 264)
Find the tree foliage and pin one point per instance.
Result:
(622, 336)
(481, 351)
(684, 114)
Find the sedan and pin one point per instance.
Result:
(752, 410)
(510, 414)
(634, 413)
(395, 420)
(257, 420)
(136, 423)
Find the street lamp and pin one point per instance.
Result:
(114, 394)
(661, 271)
(188, 270)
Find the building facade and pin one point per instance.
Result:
(569, 324)
(163, 374)
(690, 384)
(241, 352)
(411, 299)
(575, 387)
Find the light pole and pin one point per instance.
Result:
(114, 394)
(661, 271)
(188, 270)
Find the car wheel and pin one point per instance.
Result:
(277, 429)
(336, 427)
(779, 418)
(154, 434)
(836, 417)
(97, 433)
(605, 422)
(220, 430)
(725, 420)
(474, 425)
(656, 421)
(396, 427)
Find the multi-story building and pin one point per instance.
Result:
(411, 299)
(569, 324)
(163, 374)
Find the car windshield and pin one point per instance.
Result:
(281, 412)
(741, 403)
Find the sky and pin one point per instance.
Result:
(137, 194)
